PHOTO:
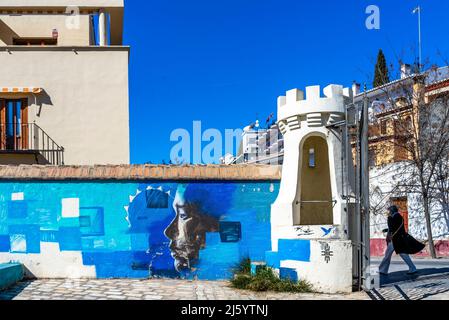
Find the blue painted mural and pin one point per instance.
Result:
(186, 230)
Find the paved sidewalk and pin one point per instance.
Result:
(431, 282)
(127, 289)
(427, 268)
(434, 288)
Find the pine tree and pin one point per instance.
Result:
(381, 74)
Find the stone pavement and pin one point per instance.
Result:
(398, 269)
(154, 289)
(430, 283)
(433, 288)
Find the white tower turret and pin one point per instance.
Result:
(309, 218)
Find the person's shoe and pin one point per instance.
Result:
(412, 272)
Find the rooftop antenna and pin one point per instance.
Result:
(418, 10)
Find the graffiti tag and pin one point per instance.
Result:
(326, 252)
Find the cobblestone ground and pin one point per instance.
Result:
(434, 288)
(430, 283)
(148, 290)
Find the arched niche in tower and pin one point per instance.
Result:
(314, 192)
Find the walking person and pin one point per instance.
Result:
(399, 241)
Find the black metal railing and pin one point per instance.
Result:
(29, 137)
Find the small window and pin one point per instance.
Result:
(383, 127)
(408, 123)
(312, 163)
(401, 101)
(252, 141)
(372, 154)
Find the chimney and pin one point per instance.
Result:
(406, 70)
(355, 88)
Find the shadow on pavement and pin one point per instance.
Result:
(401, 276)
(396, 292)
(14, 291)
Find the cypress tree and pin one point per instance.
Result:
(381, 74)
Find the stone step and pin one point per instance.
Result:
(255, 265)
(10, 274)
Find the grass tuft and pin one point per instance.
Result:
(265, 279)
(244, 267)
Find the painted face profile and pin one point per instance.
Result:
(187, 231)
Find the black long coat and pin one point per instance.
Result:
(402, 241)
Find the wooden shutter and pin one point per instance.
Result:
(25, 128)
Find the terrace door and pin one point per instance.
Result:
(14, 124)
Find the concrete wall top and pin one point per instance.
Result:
(74, 49)
(24, 4)
(141, 172)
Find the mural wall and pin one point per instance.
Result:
(113, 230)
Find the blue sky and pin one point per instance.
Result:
(225, 62)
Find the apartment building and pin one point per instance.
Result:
(395, 124)
(393, 112)
(261, 145)
(64, 82)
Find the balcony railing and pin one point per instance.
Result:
(30, 138)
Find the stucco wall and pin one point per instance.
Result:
(84, 106)
(41, 26)
(60, 3)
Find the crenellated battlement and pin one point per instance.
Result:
(317, 110)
